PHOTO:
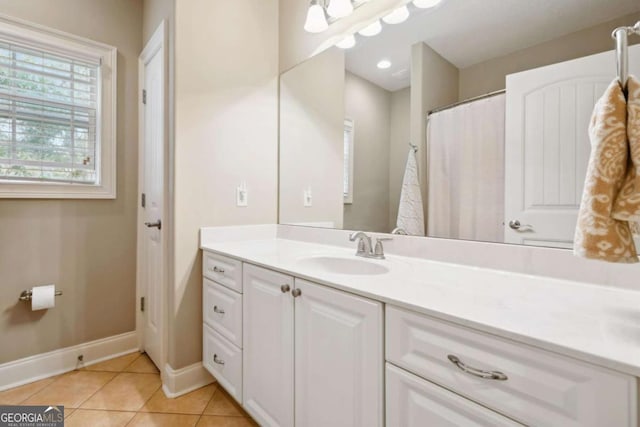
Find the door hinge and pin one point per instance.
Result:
(142, 304)
(144, 96)
(143, 200)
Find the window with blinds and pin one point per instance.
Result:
(48, 117)
(348, 162)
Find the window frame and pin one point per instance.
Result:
(350, 124)
(57, 42)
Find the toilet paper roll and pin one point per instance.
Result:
(43, 297)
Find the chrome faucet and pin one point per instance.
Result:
(365, 248)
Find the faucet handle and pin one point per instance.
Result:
(378, 252)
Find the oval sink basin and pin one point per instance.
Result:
(338, 265)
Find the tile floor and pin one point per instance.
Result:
(126, 391)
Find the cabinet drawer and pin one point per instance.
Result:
(222, 310)
(224, 270)
(414, 402)
(541, 388)
(223, 360)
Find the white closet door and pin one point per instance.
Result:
(339, 358)
(547, 145)
(268, 346)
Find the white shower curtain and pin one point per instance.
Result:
(466, 171)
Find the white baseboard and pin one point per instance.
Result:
(176, 382)
(33, 368)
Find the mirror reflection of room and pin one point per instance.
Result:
(453, 121)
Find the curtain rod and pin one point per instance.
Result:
(466, 101)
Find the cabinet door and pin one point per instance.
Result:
(339, 358)
(414, 402)
(268, 346)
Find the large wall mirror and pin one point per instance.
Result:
(467, 120)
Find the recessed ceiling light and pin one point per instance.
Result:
(372, 29)
(347, 42)
(425, 4)
(397, 16)
(384, 64)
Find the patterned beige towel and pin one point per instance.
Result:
(627, 205)
(598, 235)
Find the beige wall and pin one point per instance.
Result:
(311, 140)
(226, 116)
(86, 247)
(369, 106)
(296, 45)
(398, 148)
(434, 82)
(490, 75)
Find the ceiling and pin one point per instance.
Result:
(468, 32)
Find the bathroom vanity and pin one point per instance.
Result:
(305, 333)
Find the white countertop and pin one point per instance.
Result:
(592, 323)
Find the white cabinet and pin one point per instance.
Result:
(338, 348)
(268, 346)
(338, 358)
(222, 310)
(533, 386)
(223, 360)
(414, 402)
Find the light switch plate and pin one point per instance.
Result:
(242, 195)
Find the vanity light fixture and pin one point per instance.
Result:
(384, 64)
(316, 20)
(397, 16)
(339, 8)
(347, 42)
(426, 4)
(372, 29)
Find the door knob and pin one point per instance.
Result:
(514, 224)
(285, 288)
(296, 292)
(157, 224)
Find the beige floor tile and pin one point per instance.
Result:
(143, 419)
(127, 392)
(17, 395)
(70, 389)
(216, 421)
(92, 418)
(68, 412)
(142, 365)
(224, 405)
(190, 403)
(117, 364)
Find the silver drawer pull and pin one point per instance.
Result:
(216, 360)
(487, 375)
(218, 310)
(216, 269)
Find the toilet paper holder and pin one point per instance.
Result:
(26, 295)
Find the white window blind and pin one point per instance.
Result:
(348, 162)
(48, 117)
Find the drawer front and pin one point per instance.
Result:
(541, 388)
(223, 360)
(222, 310)
(224, 270)
(414, 402)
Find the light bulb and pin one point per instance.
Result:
(397, 16)
(316, 20)
(372, 29)
(339, 8)
(425, 4)
(347, 42)
(384, 64)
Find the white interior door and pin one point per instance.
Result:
(547, 145)
(151, 235)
